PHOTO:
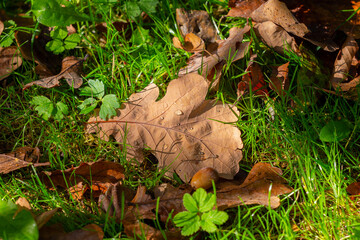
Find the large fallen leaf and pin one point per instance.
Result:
(342, 65)
(97, 176)
(243, 8)
(183, 130)
(9, 61)
(228, 50)
(70, 71)
(277, 12)
(276, 37)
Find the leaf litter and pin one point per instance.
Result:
(184, 131)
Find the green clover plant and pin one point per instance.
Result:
(96, 93)
(46, 108)
(200, 214)
(135, 8)
(61, 41)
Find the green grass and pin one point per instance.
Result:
(319, 172)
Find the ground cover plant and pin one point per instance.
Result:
(158, 119)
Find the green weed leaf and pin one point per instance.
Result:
(190, 203)
(61, 109)
(56, 13)
(88, 105)
(216, 217)
(44, 106)
(56, 46)
(181, 219)
(108, 107)
(208, 226)
(72, 41)
(335, 131)
(191, 227)
(58, 33)
(95, 89)
(8, 35)
(132, 9)
(16, 226)
(148, 6)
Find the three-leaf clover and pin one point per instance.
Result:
(46, 108)
(61, 41)
(200, 214)
(96, 91)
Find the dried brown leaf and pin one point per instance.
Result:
(70, 71)
(192, 43)
(276, 37)
(231, 49)
(279, 81)
(278, 13)
(9, 61)
(342, 66)
(196, 22)
(243, 8)
(95, 176)
(1, 27)
(44, 217)
(20, 158)
(184, 131)
(56, 232)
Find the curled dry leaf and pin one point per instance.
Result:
(276, 37)
(342, 66)
(228, 50)
(184, 131)
(243, 8)
(278, 13)
(353, 189)
(20, 158)
(192, 43)
(97, 176)
(9, 61)
(196, 22)
(70, 71)
(1, 27)
(279, 81)
(56, 232)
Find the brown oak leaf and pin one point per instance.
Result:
(183, 130)
(70, 71)
(9, 61)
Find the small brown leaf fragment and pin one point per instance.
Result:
(243, 8)
(196, 22)
(230, 49)
(1, 27)
(254, 78)
(192, 43)
(9, 61)
(70, 71)
(279, 81)
(276, 37)
(23, 203)
(184, 131)
(255, 189)
(278, 13)
(95, 176)
(20, 158)
(56, 232)
(354, 188)
(342, 65)
(44, 217)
